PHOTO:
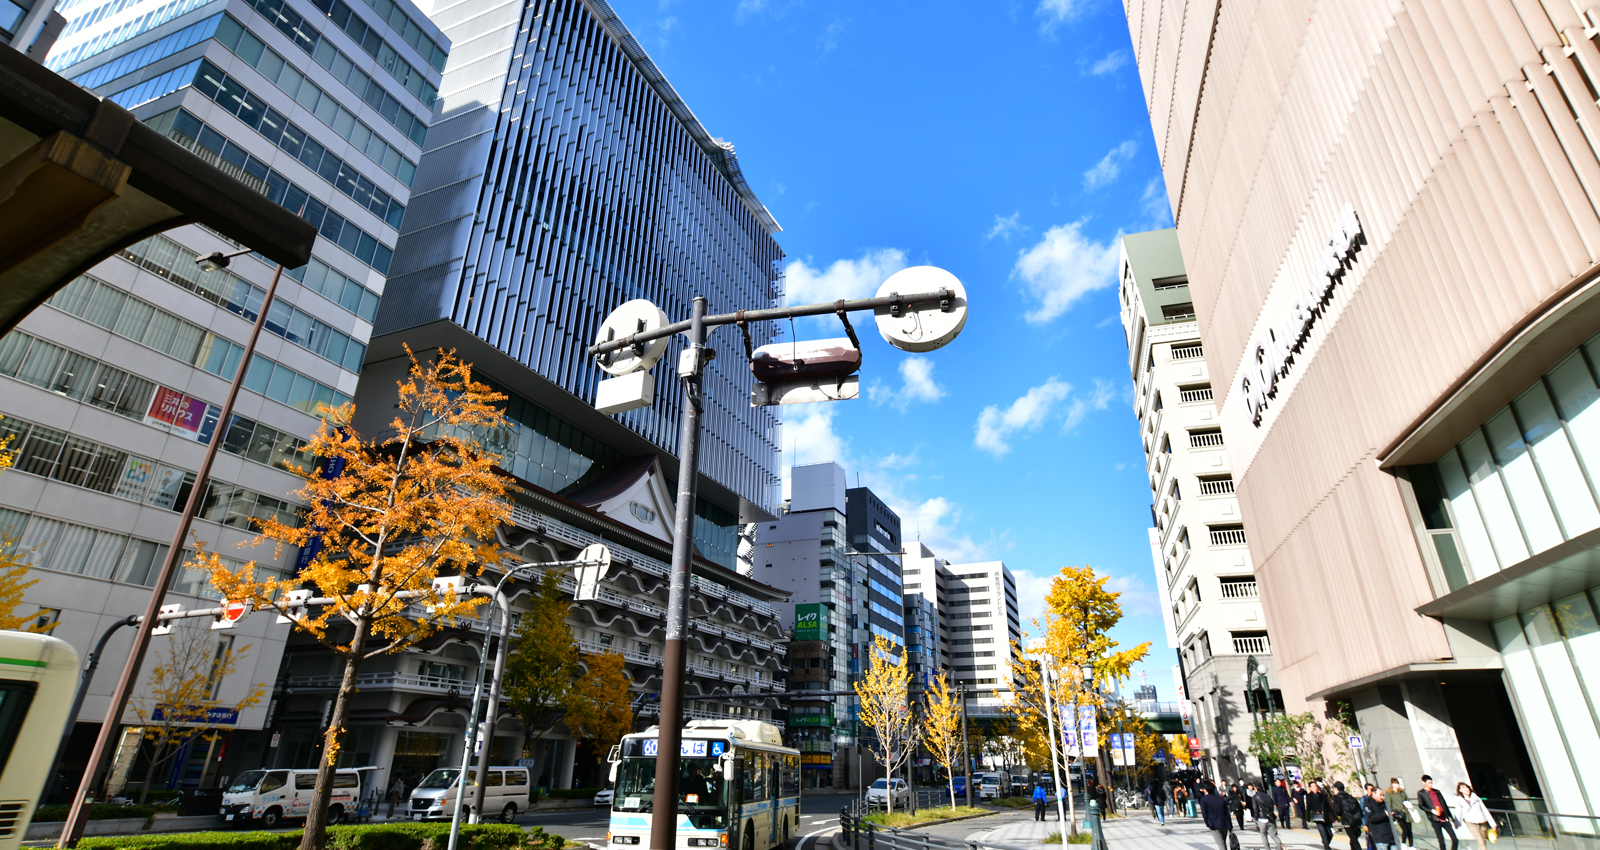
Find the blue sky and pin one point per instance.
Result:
(1009, 144)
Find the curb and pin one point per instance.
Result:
(949, 820)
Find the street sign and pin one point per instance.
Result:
(1356, 742)
(233, 611)
(636, 316)
(927, 327)
(164, 627)
(275, 739)
(596, 566)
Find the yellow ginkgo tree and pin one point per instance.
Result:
(941, 729)
(886, 707)
(384, 518)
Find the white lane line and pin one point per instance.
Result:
(801, 844)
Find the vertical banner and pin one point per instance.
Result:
(332, 467)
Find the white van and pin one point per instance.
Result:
(506, 794)
(993, 785)
(270, 796)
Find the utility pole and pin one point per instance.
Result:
(966, 753)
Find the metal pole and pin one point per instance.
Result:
(1077, 735)
(89, 665)
(1050, 730)
(493, 708)
(966, 752)
(664, 804)
(78, 817)
(472, 725)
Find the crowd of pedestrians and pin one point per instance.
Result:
(1385, 816)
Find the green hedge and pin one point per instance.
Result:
(376, 836)
(99, 811)
(572, 793)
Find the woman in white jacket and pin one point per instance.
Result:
(1474, 813)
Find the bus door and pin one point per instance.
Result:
(774, 797)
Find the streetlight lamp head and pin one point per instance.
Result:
(215, 261)
(1088, 672)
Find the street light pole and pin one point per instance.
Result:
(78, 816)
(949, 300)
(966, 752)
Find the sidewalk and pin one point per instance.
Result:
(1140, 831)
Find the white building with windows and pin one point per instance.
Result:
(975, 606)
(1198, 539)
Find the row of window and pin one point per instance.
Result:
(102, 304)
(52, 544)
(111, 38)
(311, 40)
(168, 259)
(282, 73)
(49, 453)
(336, 286)
(149, 54)
(254, 112)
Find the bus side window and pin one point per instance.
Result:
(791, 776)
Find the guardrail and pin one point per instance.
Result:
(1528, 830)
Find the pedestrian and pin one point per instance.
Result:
(1369, 788)
(1320, 806)
(1399, 809)
(397, 792)
(1214, 810)
(1266, 817)
(1281, 799)
(1299, 795)
(1380, 826)
(1349, 812)
(1236, 802)
(1158, 800)
(1038, 802)
(1180, 798)
(1437, 811)
(1474, 814)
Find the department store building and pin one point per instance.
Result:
(1390, 215)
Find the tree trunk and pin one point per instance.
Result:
(316, 833)
(952, 778)
(150, 773)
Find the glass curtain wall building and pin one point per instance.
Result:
(113, 389)
(554, 192)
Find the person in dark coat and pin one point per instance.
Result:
(1432, 802)
(1266, 817)
(1236, 803)
(1320, 807)
(1281, 799)
(1299, 795)
(1380, 826)
(1349, 812)
(1214, 811)
(1158, 800)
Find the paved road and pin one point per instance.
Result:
(819, 814)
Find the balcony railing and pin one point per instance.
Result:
(1202, 394)
(1227, 537)
(1240, 590)
(1216, 487)
(1251, 645)
(386, 679)
(1187, 352)
(1205, 439)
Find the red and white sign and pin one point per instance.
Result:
(233, 611)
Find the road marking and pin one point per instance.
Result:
(801, 844)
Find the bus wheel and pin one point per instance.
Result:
(270, 819)
(509, 813)
(749, 837)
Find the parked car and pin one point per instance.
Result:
(604, 797)
(960, 783)
(879, 792)
(507, 793)
(272, 796)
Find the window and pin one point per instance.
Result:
(645, 514)
(1161, 283)
(1178, 312)
(605, 639)
(644, 649)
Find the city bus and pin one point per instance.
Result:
(738, 787)
(38, 677)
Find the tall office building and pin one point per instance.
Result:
(112, 390)
(1390, 217)
(553, 192)
(1204, 574)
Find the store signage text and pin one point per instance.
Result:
(1272, 354)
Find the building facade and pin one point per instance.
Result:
(1391, 249)
(552, 193)
(113, 389)
(1204, 574)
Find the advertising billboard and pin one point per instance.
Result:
(810, 622)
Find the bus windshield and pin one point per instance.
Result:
(700, 785)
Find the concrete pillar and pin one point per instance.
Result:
(383, 758)
(569, 752)
(1438, 749)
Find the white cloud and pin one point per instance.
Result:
(858, 278)
(1138, 599)
(808, 436)
(1106, 170)
(916, 375)
(747, 8)
(1104, 393)
(1032, 588)
(1109, 63)
(1004, 227)
(1025, 414)
(831, 35)
(1155, 204)
(1054, 13)
(1064, 266)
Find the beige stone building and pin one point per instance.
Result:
(1388, 212)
